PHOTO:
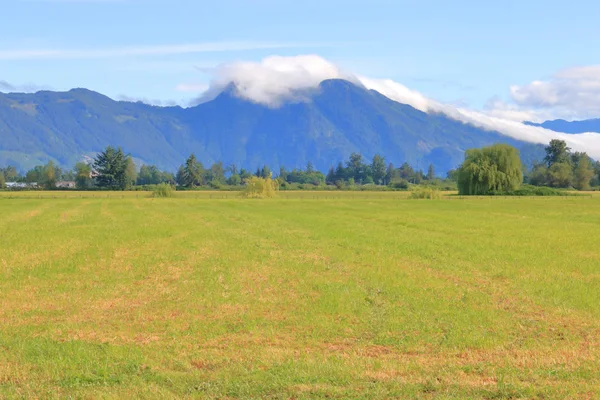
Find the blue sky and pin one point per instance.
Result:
(461, 52)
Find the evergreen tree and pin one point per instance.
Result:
(330, 178)
(2, 180)
(431, 173)
(309, 168)
(111, 169)
(193, 172)
(265, 172)
(340, 172)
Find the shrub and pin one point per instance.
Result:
(259, 188)
(400, 184)
(529, 190)
(425, 193)
(162, 190)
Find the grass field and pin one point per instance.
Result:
(364, 295)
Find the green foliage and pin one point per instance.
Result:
(83, 175)
(162, 190)
(2, 181)
(557, 152)
(111, 169)
(530, 190)
(258, 188)
(494, 169)
(130, 172)
(400, 184)
(151, 175)
(425, 193)
(378, 169)
(560, 175)
(583, 172)
(192, 173)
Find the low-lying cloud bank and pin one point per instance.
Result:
(276, 80)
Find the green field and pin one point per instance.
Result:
(341, 295)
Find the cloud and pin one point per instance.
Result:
(27, 88)
(276, 80)
(155, 50)
(150, 102)
(572, 93)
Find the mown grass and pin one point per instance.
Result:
(346, 297)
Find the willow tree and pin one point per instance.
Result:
(493, 169)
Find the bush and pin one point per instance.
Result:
(425, 193)
(162, 190)
(259, 188)
(529, 190)
(400, 184)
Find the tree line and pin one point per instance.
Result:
(493, 169)
(498, 170)
(115, 170)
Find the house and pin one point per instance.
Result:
(65, 185)
(21, 185)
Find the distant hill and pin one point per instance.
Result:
(560, 125)
(339, 118)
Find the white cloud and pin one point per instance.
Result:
(573, 93)
(276, 79)
(155, 50)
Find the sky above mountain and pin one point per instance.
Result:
(513, 59)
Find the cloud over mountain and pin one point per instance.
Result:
(276, 80)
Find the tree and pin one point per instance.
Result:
(391, 174)
(560, 175)
(557, 152)
(193, 172)
(83, 175)
(10, 173)
(493, 169)
(539, 175)
(431, 173)
(309, 168)
(2, 181)
(217, 172)
(452, 175)
(406, 172)
(234, 180)
(378, 170)
(130, 172)
(356, 167)
(583, 171)
(265, 172)
(111, 169)
(49, 176)
(330, 178)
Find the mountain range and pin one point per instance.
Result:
(574, 127)
(330, 123)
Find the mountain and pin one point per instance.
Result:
(560, 125)
(339, 118)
